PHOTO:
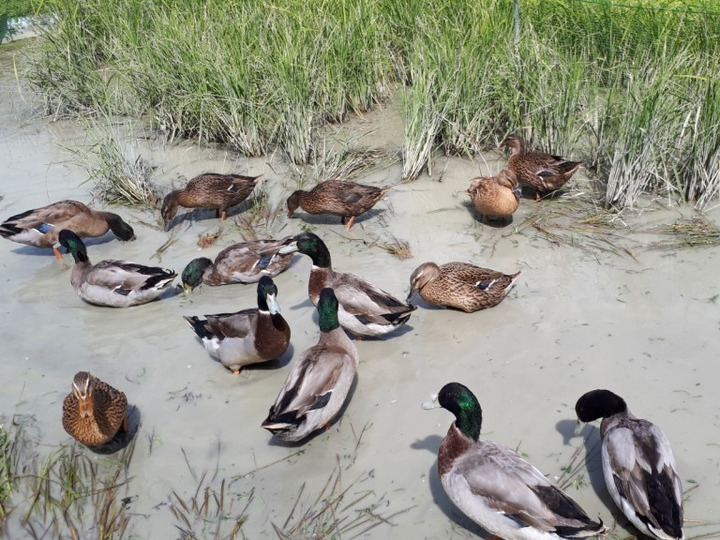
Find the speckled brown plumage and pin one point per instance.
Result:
(495, 197)
(94, 411)
(542, 172)
(460, 285)
(344, 199)
(211, 190)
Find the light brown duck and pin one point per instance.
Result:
(460, 285)
(495, 197)
(94, 412)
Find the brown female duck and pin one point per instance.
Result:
(211, 190)
(344, 199)
(460, 285)
(495, 197)
(543, 172)
(244, 262)
(249, 336)
(365, 310)
(94, 412)
(39, 227)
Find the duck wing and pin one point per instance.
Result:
(310, 384)
(236, 325)
(124, 277)
(361, 298)
(510, 485)
(43, 219)
(644, 473)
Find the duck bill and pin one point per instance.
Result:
(289, 248)
(272, 303)
(579, 428)
(85, 408)
(432, 403)
(410, 296)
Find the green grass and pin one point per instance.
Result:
(67, 494)
(628, 87)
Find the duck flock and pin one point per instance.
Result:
(488, 482)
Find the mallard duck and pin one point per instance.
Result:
(209, 190)
(460, 285)
(364, 309)
(319, 381)
(245, 262)
(495, 197)
(94, 412)
(40, 227)
(495, 487)
(542, 172)
(247, 337)
(344, 199)
(638, 466)
(110, 282)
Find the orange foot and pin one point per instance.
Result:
(350, 223)
(223, 215)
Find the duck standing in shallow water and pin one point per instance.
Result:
(344, 199)
(364, 309)
(113, 283)
(544, 173)
(94, 412)
(244, 262)
(495, 487)
(249, 336)
(638, 466)
(460, 285)
(40, 227)
(319, 382)
(495, 197)
(210, 190)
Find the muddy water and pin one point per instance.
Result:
(646, 327)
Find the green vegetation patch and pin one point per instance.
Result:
(628, 87)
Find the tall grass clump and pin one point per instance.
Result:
(253, 74)
(68, 494)
(615, 83)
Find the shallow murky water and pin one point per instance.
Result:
(645, 326)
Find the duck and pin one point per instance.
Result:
(638, 465)
(543, 173)
(249, 336)
(365, 310)
(460, 285)
(94, 412)
(495, 197)
(244, 262)
(113, 283)
(210, 190)
(497, 489)
(319, 382)
(39, 227)
(337, 198)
